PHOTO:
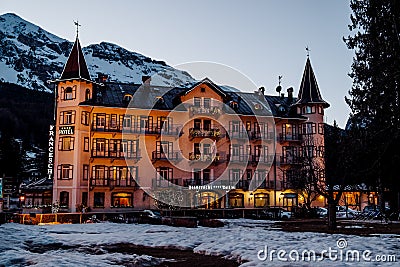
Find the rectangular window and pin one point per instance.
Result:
(98, 199)
(86, 144)
(85, 118)
(321, 110)
(67, 117)
(85, 172)
(309, 128)
(207, 102)
(64, 171)
(66, 143)
(113, 124)
(321, 128)
(196, 101)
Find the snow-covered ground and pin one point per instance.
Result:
(238, 239)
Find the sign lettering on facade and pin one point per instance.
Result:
(50, 152)
(66, 130)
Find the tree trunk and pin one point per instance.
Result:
(332, 215)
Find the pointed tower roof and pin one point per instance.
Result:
(309, 92)
(75, 68)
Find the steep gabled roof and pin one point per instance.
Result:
(309, 92)
(75, 68)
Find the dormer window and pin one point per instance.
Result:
(234, 105)
(257, 106)
(127, 97)
(282, 108)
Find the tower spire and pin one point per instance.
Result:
(309, 92)
(75, 67)
(77, 27)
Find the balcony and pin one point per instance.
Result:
(106, 128)
(289, 138)
(198, 157)
(113, 182)
(195, 182)
(241, 158)
(112, 154)
(212, 111)
(290, 160)
(243, 184)
(166, 156)
(164, 183)
(214, 133)
(265, 136)
(261, 159)
(236, 135)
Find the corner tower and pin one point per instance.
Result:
(71, 159)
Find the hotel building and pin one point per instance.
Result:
(134, 146)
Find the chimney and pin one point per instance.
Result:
(290, 93)
(282, 95)
(146, 80)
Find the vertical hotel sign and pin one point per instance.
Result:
(50, 162)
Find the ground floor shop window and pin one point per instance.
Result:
(208, 200)
(236, 200)
(261, 200)
(98, 201)
(122, 200)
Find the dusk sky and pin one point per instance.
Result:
(261, 39)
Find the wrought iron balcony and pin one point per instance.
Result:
(198, 157)
(289, 138)
(209, 133)
(262, 159)
(213, 111)
(164, 183)
(166, 156)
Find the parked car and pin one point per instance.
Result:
(346, 212)
(278, 213)
(321, 212)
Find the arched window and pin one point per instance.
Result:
(64, 199)
(87, 94)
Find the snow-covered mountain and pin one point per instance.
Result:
(30, 56)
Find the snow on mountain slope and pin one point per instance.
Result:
(30, 56)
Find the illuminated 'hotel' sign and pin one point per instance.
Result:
(66, 130)
(50, 153)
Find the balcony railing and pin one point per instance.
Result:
(243, 184)
(262, 159)
(113, 182)
(155, 129)
(238, 158)
(238, 135)
(198, 157)
(210, 133)
(289, 138)
(164, 183)
(262, 136)
(167, 156)
(194, 182)
(115, 154)
(287, 160)
(214, 111)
